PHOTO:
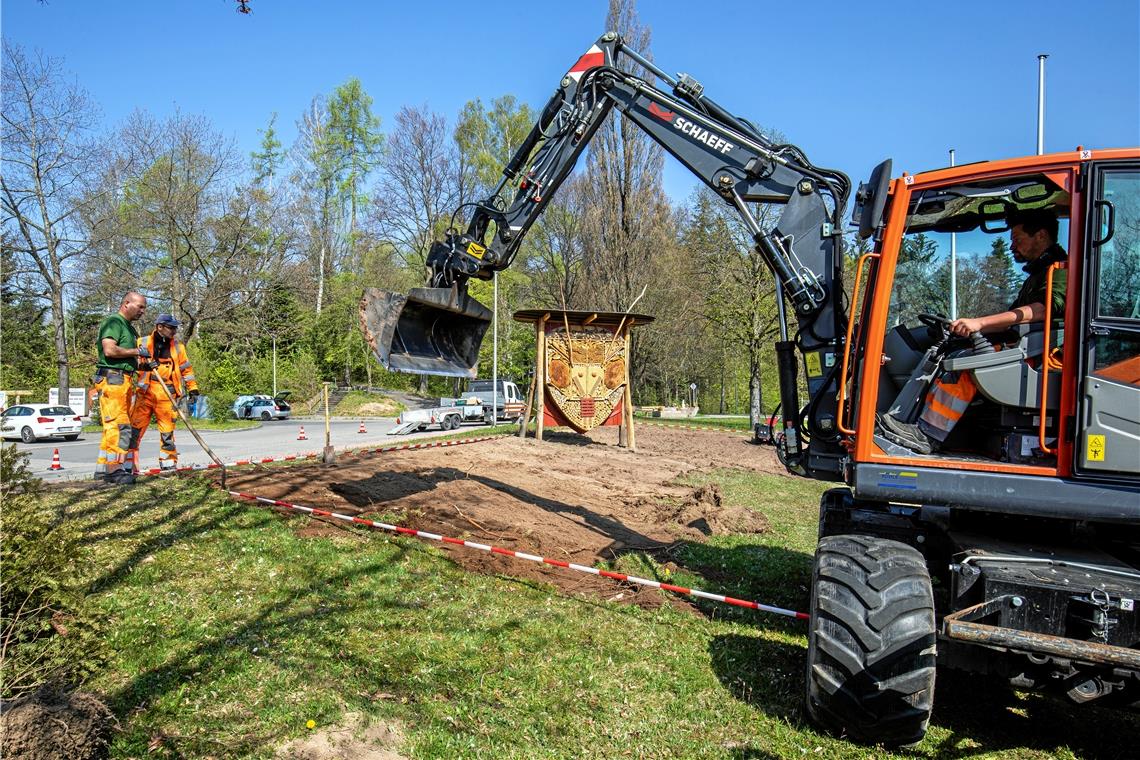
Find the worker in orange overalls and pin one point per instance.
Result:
(168, 364)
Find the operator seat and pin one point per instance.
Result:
(1007, 377)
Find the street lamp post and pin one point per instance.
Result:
(495, 349)
(1041, 102)
(953, 265)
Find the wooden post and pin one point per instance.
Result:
(526, 411)
(328, 457)
(623, 426)
(630, 437)
(540, 379)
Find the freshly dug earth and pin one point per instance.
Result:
(51, 724)
(574, 498)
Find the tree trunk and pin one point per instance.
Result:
(722, 361)
(321, 276)
(754, 387)
(57, 318)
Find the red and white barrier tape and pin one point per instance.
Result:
(314, 455)
(528, 557)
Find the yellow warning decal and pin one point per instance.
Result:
(476, 250)
(1095, 448)
(814, 368)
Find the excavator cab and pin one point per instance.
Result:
(1052, 396)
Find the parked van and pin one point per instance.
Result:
(509, 403)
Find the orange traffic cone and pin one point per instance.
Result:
(362, 430)
(55, 465)
(301, 436)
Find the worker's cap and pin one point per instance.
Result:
(167, 319)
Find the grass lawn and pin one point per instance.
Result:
(727, 423)
(359, 403)
(227, 632)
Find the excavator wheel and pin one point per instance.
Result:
(871, 641)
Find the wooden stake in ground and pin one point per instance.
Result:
(627, 412)
(526, 411)
(540, 379)
(328, 456)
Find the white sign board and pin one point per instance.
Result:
(77, 399)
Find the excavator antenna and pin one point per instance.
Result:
(434, 331)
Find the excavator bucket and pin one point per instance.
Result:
(429, 331)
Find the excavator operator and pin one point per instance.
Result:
(1033, 242)
(168, 364)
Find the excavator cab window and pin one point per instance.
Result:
(955, 260)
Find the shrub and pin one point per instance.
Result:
(44, 634)
(221, 405)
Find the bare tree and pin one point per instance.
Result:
(558, 239)
(48, 153)
(192, 229)
(317, 179)
(629, 217)
(421, 184)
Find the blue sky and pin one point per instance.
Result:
(851, 83)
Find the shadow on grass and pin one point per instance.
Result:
(984, 715)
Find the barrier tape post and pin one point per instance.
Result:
(528, 557)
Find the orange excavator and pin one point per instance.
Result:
(1013, 547)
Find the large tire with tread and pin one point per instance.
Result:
(871, 640)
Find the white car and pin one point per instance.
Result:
(31, 422)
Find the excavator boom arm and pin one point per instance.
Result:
(438, 329)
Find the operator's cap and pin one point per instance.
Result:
(167, 319)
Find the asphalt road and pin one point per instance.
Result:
(272, 439)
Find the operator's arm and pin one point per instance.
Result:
(1034, 312)
(112, 350)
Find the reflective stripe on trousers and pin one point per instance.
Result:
(946, 402)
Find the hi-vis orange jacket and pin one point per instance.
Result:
(175, 369)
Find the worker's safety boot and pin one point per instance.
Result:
(121, 477)
(906, 435)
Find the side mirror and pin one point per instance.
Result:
(871, 200)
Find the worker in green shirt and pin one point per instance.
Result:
(118, 360)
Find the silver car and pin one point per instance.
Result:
(262, 407)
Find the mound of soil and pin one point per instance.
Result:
(702, 511)
(576, 498)
(385, 408)
(354, 739)
(50, 724)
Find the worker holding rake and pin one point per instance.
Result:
(168, 364)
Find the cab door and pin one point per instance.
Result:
(1108, 425)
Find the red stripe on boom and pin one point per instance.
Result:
(588, 61)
